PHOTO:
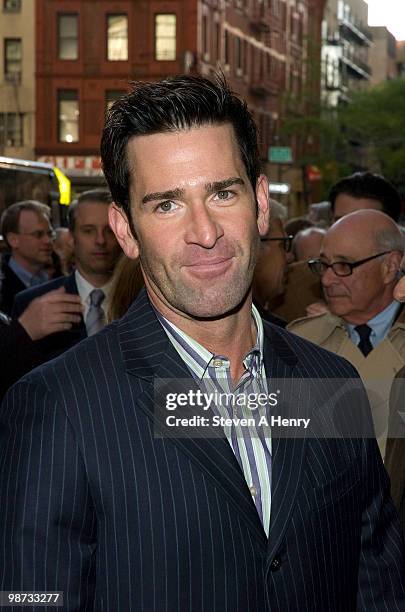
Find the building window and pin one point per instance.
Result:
(68, 40)
(117, 38)
(226, 48)
(218, 41)
(12, 59)
(238, 57)
(205, 37)
(68, 116)
(11, 6)
(165, 37)
(111, 95)
(11, 130)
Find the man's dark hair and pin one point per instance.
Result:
(10, 219)
(370, 186)
(173, 104)
(102, 196)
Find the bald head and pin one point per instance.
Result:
(307, 243)
(361, 235)
(368, 224)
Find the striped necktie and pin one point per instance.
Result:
(95, 319)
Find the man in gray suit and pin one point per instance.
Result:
(97, 502)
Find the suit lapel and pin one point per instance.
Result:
(287, 453)
(149, 355)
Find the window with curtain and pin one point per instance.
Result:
(68, 115)
(165, 37)
(117, 38)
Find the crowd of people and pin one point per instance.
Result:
(332, 278)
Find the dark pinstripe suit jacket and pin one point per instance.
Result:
(95, 506)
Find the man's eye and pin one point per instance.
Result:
(224, 194)
(165, 207)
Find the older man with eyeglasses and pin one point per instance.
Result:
(358, 267)
(26, 229)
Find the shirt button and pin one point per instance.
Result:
(253, 491)
(217, 363)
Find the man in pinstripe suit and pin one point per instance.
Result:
(94, 504)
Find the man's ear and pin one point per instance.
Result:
(391, 265)
(262, 198)
(12, 239)
(121, 228)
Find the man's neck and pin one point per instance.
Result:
(360, 318)
(96, 280)
(232, 336)
(29, 266)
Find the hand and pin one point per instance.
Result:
(316, 308)
(53, 312)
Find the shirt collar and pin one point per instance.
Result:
(25, 276)
(198, 358)
(84, 288)
(380, 324)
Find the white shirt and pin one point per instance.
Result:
(85, 288)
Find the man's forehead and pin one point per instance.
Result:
(87, 209)
(31, 218)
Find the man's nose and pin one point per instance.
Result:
(48, 237)
(202, 226)
(329, 278)
(100, 236)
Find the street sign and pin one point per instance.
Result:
(280, 155)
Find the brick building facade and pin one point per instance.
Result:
(89, 50)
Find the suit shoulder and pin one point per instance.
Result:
(316, 327)
(80, 361)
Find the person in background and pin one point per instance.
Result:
(364, 191)
(27, 232)
(63, 246)
(307, 243)
(320, 214)
(358, 268)
(296, 224)
(359, 191)
(20, 349)
(270, 272)
(96, 252)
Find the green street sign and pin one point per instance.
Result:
(280, 155)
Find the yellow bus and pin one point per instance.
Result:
(29, 180)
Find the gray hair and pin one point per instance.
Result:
(389, 240)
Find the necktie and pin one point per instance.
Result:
(364, 345)
(95, 319)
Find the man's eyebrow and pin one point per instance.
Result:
(222, 185)
(171, 194)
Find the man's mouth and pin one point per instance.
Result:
(207, 268)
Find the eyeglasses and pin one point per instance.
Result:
(39, 234)
(340, 268)
(286, 240)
